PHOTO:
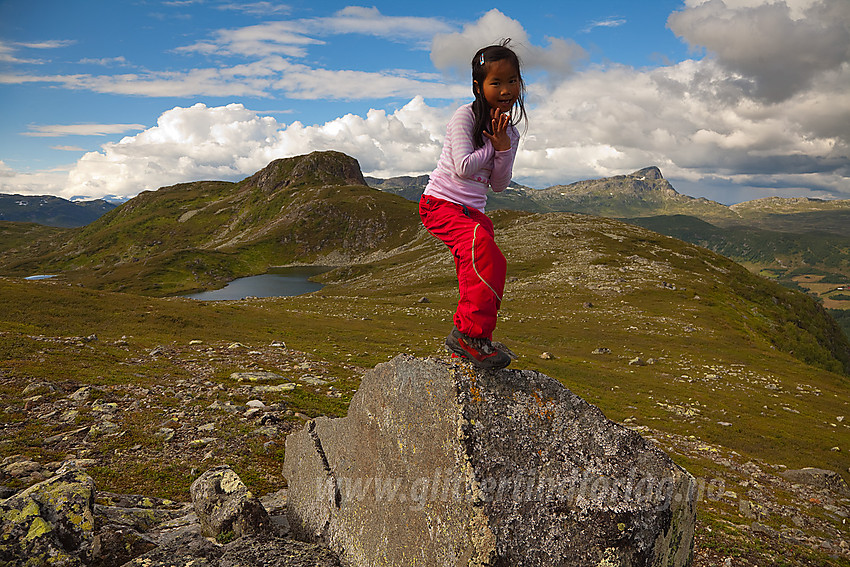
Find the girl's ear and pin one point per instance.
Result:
(475, 87)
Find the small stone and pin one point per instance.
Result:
(62, 436)
(601, 350)
(637, 361)
(234, 346)
(762, 529)
(424, 300)
(224, 504)
(207, 427)
(104, 407)
(21, 468)
(313, 380)
(836, 449)
(255, 404)
(724, 423)
(278, 344)
(102, 428)
(82, 394)
(68, 416)
(165, 433)
(197, 443)
(286, 387)
(839, 418)
(255, 376)
(195, 342)
(253, 412)
(587, 305)
(38, 388)
(546, 356)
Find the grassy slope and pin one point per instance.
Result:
(718, 315)
(576, 283)
(777, 254)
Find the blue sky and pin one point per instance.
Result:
(733, 99)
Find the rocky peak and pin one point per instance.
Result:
(317, 168)
(651, 172)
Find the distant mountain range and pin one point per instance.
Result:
(645, 193)
(800, 242)
(51, 211)
(294, 211)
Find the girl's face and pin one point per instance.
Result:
(501, 85)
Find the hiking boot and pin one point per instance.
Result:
(479, 351)
(503, 349)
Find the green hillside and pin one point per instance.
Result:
(192, 236)
(735, 373)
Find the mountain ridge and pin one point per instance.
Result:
(50, 210)
(642, 193)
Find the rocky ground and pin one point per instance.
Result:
(234, 404)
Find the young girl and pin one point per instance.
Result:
(481, 143)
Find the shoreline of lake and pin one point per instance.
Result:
(284, 281)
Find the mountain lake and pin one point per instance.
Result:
(277, 282)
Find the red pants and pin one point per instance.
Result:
(480, 265)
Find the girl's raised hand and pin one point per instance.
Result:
(499, 138)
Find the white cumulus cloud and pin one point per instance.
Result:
(231, 142)
(454, 50)
(767, 43)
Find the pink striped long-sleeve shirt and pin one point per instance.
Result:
(464, 173)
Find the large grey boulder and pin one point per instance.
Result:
(443, 465)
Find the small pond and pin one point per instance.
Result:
(278, 282)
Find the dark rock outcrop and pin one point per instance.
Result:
(51, 522)
(316, 168)
(439, 464)
(57, 522)
(819, 478)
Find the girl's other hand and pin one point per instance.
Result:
(499, 138)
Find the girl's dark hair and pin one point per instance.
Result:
(480, 107)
